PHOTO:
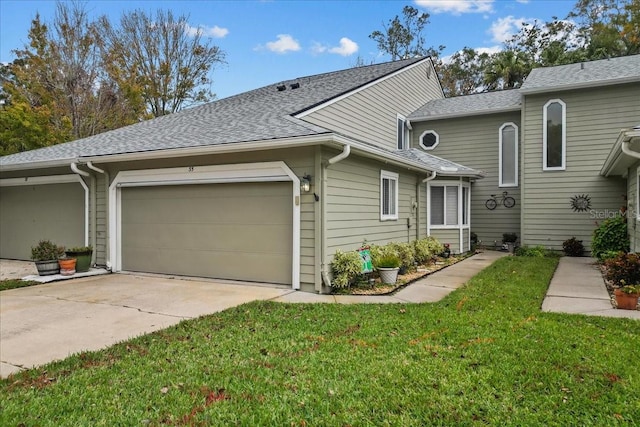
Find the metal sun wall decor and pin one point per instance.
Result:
(581, 203)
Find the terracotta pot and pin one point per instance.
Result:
(626, 301)
(67, 266)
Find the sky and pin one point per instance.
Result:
(268, 41)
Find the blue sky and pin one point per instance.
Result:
(272, 40)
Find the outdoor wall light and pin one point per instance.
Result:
(305, 183)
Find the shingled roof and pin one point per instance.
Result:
(258, 115)
(467, 105)
(625, 69)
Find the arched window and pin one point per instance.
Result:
(508, 155)
(554, 135)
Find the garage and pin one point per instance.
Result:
(33, 209)
(238, 231)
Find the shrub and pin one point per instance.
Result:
(346, 267)
(623, 269)
(406, 253)
(608, 255)
(509, 237)
(426, 249)
(611, 235)
(573, 247)
(536, 251)
(46, 250)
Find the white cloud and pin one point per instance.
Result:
(215, 31)
(284, 44)
(502, 29)
(457, 7)
(490, 50)
(347, 47)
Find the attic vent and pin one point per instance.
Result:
(281, 88)
(295, 85)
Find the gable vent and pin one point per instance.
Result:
(281, 88)
(295, 85)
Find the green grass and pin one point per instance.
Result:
(485, 355)
(16, 283)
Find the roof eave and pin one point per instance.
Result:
(38, 165)
(581, 85)
(617, 162)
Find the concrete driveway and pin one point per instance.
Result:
(47, 322)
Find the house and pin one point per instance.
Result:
(267, 185)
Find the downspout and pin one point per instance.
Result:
(95, 225)
(74, 168)
(424, 181)
(346, 150)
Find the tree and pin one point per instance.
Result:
(154, 58)
(404, 39)
(506, 69)
(463, 74)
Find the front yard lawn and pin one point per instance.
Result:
(485, 355)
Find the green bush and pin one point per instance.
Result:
(346, 267)
(573, 247)
(406, 253)
(426, 249)
(623, 269)
(46, 250)
(509, 237)
(604, 256)
(535, 251)
(611, 235)
(388, 261)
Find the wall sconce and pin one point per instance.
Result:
(305, 183)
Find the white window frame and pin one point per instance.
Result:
(462, 223)
(402, 138)
(500, 164)
(563, 166)
(429, 132)
(394, 177)
(638, 194)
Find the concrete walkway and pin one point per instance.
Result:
(578, 287)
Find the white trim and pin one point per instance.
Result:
(245, 172)
(390, 176)
(515, 128)
(434, 145)
(580, 85)
(405, 132)
(55, 179)
(638, 194)
(361, 88)
(463, 113)
(564, 136)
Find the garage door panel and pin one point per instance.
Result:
(32, 213)
(240, 231)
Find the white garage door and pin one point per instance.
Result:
(238, 231)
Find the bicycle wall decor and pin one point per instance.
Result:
(505, 200)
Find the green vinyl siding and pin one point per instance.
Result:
(474, 142)
(353, 205)
(450, 236)
(594, 118)
(371, 113)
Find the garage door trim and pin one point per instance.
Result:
(213, 174)
(55, 179)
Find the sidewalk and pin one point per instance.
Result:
(578, 287)
(431, 288)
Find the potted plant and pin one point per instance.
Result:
(388, 266)
(67, 266)
(509, 241)
(627, 297)
(46, 255)
(446, 253)
(623, 272)
(82, 254)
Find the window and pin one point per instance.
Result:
(429, 139)
(554, 135)
(508, 155)
(388, 196)
(448, 204)
(403, 133)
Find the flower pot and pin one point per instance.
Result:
(388, 275)
(83, 262)
(67, 266)
(626, 301)
(48, 268)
